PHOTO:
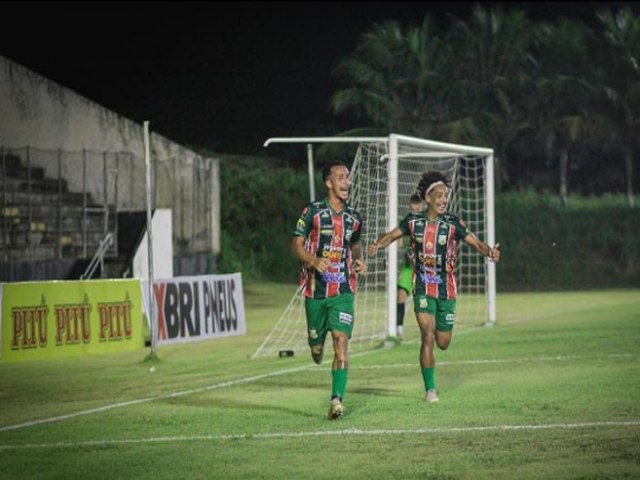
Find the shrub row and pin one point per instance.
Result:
(590, 243)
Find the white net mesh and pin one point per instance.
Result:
(369, 195)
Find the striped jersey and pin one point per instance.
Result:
(328, 234)
(435, 249)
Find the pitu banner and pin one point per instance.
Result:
(42, 320)
(197, 308)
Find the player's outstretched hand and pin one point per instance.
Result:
(494, 253)
(372, 250)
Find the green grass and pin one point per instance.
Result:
(551, 391)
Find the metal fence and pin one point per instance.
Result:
(57, 204)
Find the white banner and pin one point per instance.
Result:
(198, 308)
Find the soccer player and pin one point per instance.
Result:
(327, 241)
(434, 236)
(405, 281)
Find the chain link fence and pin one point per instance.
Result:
(60, 204)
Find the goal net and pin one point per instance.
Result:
(384, 175)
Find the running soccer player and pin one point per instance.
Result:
(327, 241)
(434, 235)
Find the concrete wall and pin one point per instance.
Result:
(46, 116)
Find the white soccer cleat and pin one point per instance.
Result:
(432, 396)
(336, 409)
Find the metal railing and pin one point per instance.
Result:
(98, 257)
(59, 204)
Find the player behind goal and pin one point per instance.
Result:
(434, 236)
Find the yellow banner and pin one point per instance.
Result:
(56, 319)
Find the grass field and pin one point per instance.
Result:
(551, 391)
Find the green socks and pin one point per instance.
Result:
(429, 377)
(338, 382)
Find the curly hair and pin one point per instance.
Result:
(428, 179)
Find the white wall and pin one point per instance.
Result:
(161, 235)
(42, 114)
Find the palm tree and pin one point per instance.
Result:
(492, 74)
(562, 90)
(617, 79)
(395, 79)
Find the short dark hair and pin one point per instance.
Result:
(415, 198)
(428, 179)
(326, 171)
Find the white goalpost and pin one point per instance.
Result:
(384, 175)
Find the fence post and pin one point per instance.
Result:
(59, 235)
(5, 255)
(84, 203)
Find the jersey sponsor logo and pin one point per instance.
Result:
(427, 260)
(345, 318)
(326, 231)
(333, 253)
(428, 246)
(442, 239)
(429, 279)
(334, 277)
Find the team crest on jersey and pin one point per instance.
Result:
(442, 239)
(429, 246)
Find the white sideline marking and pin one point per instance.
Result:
(557, 358)
(322, 433)
(151, 399)
(239, 381)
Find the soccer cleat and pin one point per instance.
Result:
(432, 396)
(317, 357)
(400, 332)
(336, 409)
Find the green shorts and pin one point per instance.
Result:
(404, 279)
(443, 310)
(331, 313)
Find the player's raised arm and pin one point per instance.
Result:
(492, 253)
(384, 241)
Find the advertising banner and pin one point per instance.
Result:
(198, 308)
(55, 319)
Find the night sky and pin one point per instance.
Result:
(225, 75)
